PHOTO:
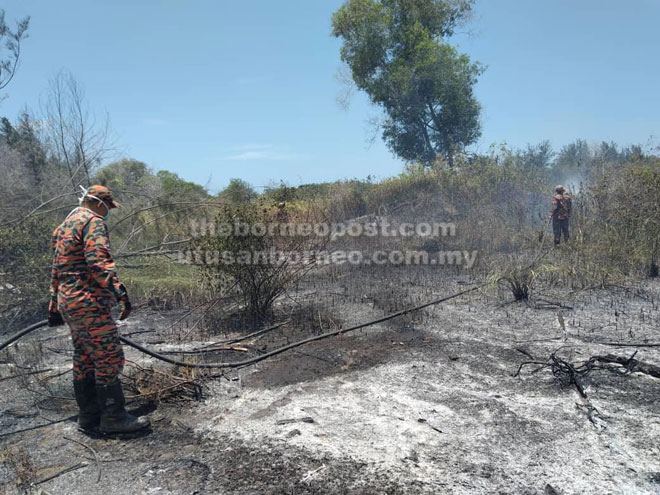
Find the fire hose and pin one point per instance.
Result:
(254, 360)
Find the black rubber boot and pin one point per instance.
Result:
(89, 415)
(114, 418)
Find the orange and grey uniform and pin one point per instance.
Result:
(560, 212)
(84, 286)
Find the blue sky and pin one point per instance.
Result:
(215, 89)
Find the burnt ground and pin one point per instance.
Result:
(425, 403)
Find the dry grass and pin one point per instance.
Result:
(21, 463)
(173, 385)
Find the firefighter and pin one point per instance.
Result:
(84, 287)
(560, 213)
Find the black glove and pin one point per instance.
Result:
(124, 302)
(55, 319)
(125, 307)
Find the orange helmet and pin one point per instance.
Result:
(101, 193)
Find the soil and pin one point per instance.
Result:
(426, 403)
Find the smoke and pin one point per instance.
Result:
(574, 183)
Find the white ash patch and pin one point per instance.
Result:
(489, 434)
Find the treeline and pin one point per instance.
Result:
(499, 201)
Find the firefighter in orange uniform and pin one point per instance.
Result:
(84, 286)
(560, 213)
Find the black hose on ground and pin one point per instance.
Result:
(23, 332)
(254, 360)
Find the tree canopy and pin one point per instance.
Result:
(238, 191)
(398, 53)
(10, 41)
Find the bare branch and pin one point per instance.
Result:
(13, 44)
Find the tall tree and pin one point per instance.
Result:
(398, 53)
(238, 191)
(10, 40)
(574, 157)
(78, 140)
(537, 156)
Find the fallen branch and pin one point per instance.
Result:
(542, 365)
(563, 371)
(630, 363)
(570, 374)
(618, 344)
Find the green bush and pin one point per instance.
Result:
(625, 217)
(226, 256)
(26, 259)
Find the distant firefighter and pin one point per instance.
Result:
(560, 213)
(282, 215)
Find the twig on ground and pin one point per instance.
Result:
(49, 396)
(50, 377)
(546, 304)
(619, 344)
(523, 351)
(306, 419)
(424, 421)
(64, 471)
(130, 334)
(31, 428)
(249, 336)
(312, 473)
(206, 350)
(25, 374)
(159, 392)
(315, 357)
(537, 340)
(96, 456)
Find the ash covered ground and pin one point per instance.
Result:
(424, 403)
